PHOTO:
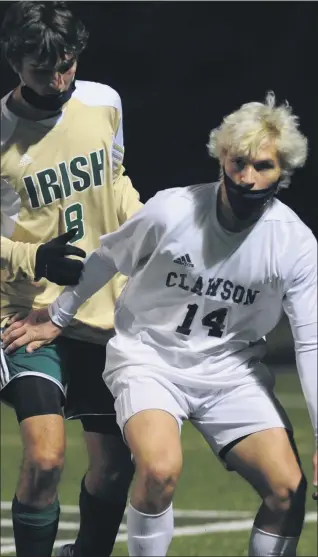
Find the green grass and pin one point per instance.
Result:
(204, 483)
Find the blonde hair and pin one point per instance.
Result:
(254, 124)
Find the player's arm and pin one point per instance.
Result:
(127, 198)
(17, 260)
(44, 325)
(300, 305)
(120, 251)
(28, 261)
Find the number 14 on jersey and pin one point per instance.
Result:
(215, 321)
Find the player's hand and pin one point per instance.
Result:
(52, 263)
(315, 467)
(34, 331)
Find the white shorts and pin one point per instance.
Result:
(222, 416)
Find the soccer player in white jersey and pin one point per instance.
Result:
(211, 269)
(61, 172)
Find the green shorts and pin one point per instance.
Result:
(45, 362)
(75, 366)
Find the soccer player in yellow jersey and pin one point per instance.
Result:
(61, 169)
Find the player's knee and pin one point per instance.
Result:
(111, 472)
(288, 497)
(160, 478)
(110, 468)
(110, 476)
(44, 469)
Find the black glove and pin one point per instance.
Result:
(51, 261)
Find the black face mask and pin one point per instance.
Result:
(244, 202)
(47, 102)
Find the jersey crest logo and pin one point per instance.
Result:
(25, 160)
(184, 260)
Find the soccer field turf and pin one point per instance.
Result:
(214, 508)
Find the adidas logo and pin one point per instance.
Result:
(184, 260)
(25, 159)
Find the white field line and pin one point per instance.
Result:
(231, 526)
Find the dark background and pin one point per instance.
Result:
(181, 66)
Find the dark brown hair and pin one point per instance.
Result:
(45, 31)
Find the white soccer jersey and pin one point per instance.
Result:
(200, 300)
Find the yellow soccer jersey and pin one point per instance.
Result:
(57, 174)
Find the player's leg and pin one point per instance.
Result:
(246, 428)
(37, 402)
(104, 487)
(150, 412)
(267, 460)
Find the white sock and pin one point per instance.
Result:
(149, 535)
(264, 544)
